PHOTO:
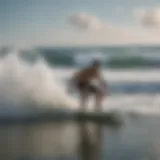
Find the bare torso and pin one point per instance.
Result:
(86, 75)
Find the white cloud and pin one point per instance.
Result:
(106, 33)
(95, 32)
(85, 21)
(149, 18)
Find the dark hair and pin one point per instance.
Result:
(96, 62)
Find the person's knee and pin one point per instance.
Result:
(99, 94)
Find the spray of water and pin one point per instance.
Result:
(22, 84)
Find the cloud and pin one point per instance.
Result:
(149, 18)
(94, 32)
(107, 33)
(85, 21)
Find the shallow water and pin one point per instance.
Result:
(137, 139)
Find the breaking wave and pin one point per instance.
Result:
(24, 85)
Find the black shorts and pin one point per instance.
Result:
(86, 87)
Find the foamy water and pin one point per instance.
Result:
(23, 85)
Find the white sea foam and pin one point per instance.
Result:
(22, 84)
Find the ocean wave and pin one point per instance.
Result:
(37, 85)
(111, 58)
(122, 57)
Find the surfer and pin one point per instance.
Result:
(88, 81)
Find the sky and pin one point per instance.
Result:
(79, 22)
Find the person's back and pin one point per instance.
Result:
(87, 74)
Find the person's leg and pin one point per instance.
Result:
(83, 100)
(98, 97)
(82, 96)
(98, 101)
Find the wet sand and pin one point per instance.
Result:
(138, 139)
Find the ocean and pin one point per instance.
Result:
(33, 80)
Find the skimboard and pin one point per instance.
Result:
(108, 119)
(102, 118)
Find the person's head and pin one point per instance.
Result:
(96, 63)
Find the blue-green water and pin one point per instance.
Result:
(112, 57)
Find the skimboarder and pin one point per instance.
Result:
(88, 81)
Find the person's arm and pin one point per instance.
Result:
(72, 81)
(103, 82)
(75, 77)
(99, 77)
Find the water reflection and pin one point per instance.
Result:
(56, 141)
(82, 141)
(90, 147)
